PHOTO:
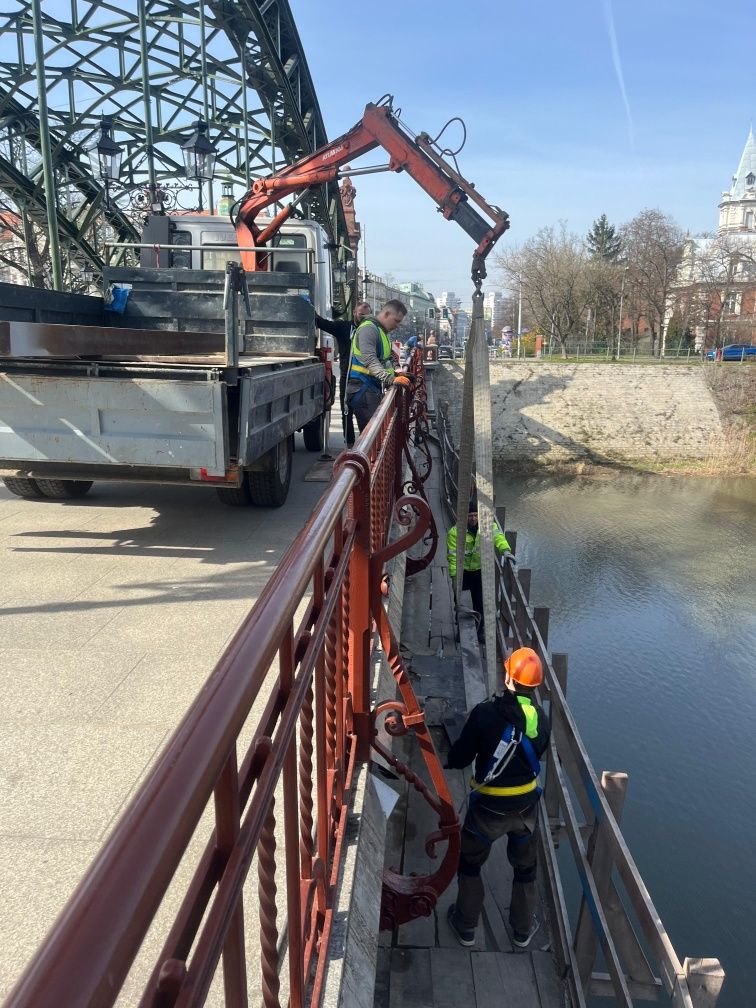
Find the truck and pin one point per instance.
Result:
(214, 363)
(201, 380)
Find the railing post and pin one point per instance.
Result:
(705, 978)
(541, 620)
(614, 786)
(521, 605)
(551, 791)
(360, 623)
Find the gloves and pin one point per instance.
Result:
(511, 557)
(402, 380)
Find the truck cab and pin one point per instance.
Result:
(199, 242)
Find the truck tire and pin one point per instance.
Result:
(235, 496)
(64, 489)
(23, 487)
(314, 434)
(270, 489)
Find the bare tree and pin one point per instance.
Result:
(653, 245)
(555, 274)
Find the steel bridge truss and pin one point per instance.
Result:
(154, 67)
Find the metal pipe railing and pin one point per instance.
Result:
(311, 675)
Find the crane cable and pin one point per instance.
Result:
(475, 454)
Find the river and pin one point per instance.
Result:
(651, 582)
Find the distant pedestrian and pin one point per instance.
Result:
(342, 331)
(506, 736)
(372, 368)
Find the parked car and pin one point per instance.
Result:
(445, 353)
(735, 351)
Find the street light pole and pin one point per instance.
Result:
(622, 299)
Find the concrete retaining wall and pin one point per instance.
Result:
(555, 413)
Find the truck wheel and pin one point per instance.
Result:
(64, 489)
(314, 434)
(23, 487)
(235, 496)
(269, 489)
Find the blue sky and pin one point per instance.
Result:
(572, 110)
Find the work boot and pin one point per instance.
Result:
(463, 936)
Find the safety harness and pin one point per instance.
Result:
(502, 756)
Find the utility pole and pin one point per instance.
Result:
(622, 299)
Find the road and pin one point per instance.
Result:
(114, 610)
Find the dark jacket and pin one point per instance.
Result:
(481, 735)
(341, 330)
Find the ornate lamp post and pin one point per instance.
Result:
(106, 156)
(199, 157)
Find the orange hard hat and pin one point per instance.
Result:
(524, 666)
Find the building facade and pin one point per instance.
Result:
(714, 297)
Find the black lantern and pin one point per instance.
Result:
(199, 157)
(105, 157)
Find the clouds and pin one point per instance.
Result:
(617, 63)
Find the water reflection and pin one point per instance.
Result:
(651, 586)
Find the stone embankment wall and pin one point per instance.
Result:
(601, 413)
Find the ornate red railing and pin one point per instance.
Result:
(263, 762)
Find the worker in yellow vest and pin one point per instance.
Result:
(471, 576)
(371, 369)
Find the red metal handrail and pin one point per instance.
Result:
(282, 670)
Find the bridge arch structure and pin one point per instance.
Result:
(155, 67)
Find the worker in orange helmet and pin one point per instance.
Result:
(506, 736)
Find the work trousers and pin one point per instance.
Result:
(471, 580)
(347, 417)
(363, 404)
(481, 830)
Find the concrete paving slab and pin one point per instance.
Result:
(49, 684)
(66, 781)
(184, 626)
(27, 624)
(159, 689)
(51, 869)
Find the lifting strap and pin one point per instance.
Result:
(475, 440)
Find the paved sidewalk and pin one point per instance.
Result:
(114, 609)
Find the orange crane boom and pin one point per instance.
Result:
(378, 127)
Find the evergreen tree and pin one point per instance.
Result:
(603, 242)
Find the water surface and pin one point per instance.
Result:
(651, 582)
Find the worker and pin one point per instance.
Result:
(506, 736)
(471, 576)
(414, 342)
(342, 331)
(371, 369)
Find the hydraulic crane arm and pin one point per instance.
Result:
(378, 127)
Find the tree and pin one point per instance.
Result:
(603, 242)
(555, 274)
(653, 245)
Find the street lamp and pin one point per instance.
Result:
(199, 157)
(622, 298)
(105, 157)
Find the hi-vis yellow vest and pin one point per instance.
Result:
(357, 369)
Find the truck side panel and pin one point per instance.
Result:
(275, 404)
(130, 421)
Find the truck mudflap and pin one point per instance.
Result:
(135, 421)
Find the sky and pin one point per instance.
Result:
(572, 110)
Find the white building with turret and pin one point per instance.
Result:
(714, 296)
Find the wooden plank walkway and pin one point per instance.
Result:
(421, 964)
